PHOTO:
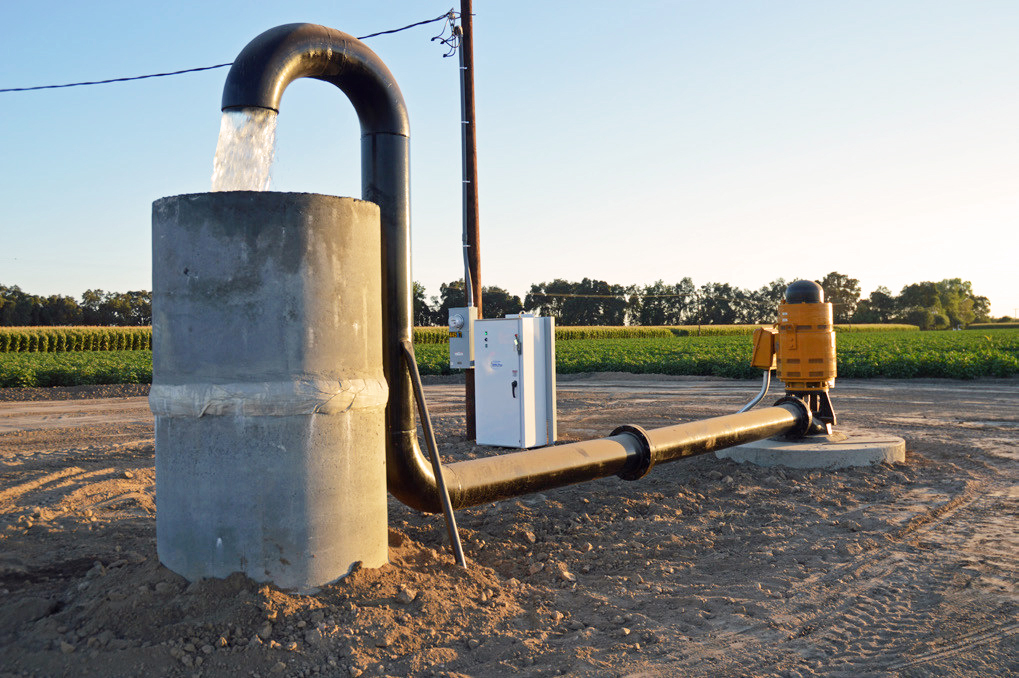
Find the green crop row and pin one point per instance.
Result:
(743, 330)
(900, 354)
(78, 338)
(876, 327)
(440, 335)
(431, 335)
(994, 326)
(966, 354)
(611, 332)
(75, 368)
(897, 354)
(59, 339)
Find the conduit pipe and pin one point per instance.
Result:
(765, 385)
(257, 79)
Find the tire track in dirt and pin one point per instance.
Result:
(917, 525)
(967, 641)
(857, 609)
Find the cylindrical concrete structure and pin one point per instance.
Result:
(268, 387)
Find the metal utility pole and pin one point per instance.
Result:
(472, 237)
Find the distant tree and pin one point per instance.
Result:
(880, 307)
(982, 309)
(761, 306)
(920, 304)
(942, 305)
(926, 318)
(60, 310)
(606, 304)
(116, 308)
(549, 298)
(140, 305)
(497, 302)
(663, 304)
(588, 302)
(717, 304)
(422, 312)
(18, 308)
(93, 312)
(956, 297)
(451, 295)
(843, 292)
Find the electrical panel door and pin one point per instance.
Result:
(461, 348)
(497, 382)
(514, 381)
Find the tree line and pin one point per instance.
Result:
(929, 305)
(19, 308)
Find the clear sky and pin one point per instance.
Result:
(726, 141)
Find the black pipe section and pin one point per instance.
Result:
(630, 452)
(257, 79)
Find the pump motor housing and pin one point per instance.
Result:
(805, 346)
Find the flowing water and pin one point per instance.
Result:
(245, 151)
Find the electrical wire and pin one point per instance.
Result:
(621, 295)
(441, 17)
(103, 82)
(447, 16)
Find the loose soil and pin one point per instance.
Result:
(702, 568)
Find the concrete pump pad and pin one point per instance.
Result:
(824, 452)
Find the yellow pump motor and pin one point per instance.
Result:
(801, 347)
(805, 346)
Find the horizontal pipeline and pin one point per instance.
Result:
(630, 452)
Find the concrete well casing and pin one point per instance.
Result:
(268, 390)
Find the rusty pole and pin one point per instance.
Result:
(470, 185)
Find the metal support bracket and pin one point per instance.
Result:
(433, 451)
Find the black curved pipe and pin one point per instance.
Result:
(277, 57)
(257, 79)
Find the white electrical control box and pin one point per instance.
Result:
(461, 323)
(514, 381)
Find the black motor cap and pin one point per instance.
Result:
(804, 292)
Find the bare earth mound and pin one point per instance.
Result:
(703, 568)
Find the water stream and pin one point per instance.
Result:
(245, 150)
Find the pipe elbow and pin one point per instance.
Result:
(409, 475)
(285, 53)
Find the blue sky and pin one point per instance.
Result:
(726, 141)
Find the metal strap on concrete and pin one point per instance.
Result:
(267, 399)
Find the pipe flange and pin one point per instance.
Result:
(647, 458)
(805, 420)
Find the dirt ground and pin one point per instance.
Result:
(703, 568)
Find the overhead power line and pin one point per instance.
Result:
(621, 295)
(447, 16)
(103, 82)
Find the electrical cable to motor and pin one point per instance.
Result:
(448, 17)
